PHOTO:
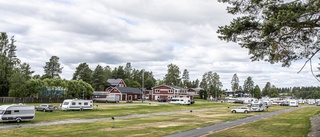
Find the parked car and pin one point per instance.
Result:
(238, 101)
(162, 100)
(241, 110)
(44, 107)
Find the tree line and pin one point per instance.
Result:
(17, 79)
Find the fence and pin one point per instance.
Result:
(30, 100)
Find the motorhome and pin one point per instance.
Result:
(293, 103)
(16, 112)
(258, 106)
(113, 98)
(77, 104)
(181, 101)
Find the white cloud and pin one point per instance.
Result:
(149, 34)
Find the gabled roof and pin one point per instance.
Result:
(175, 87)
(114, 82)
(128, 90)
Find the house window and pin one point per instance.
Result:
(170, 91)
(157, 91)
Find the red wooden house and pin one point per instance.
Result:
(126, 93)
(165, 91)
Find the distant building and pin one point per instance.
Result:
(116, 83)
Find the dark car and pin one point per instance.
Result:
(238, 101)
(162, 100)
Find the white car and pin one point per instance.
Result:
(241, 110)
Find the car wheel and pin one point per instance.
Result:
(233, 111)
(44, 110)
(245, 111)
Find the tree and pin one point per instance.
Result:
(173, 75)
(274, 31)
(266, 89)
(257, 92)
(235, 82)
(52, 68)
(248, 86)
(83, 72)
(273, 92)
(127, 71)
(149, 83)
(185, 78)
(98, 79)
(18, 81)
(211, 83)
(8, 61)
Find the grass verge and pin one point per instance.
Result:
(292, 124)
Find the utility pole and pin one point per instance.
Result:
(142, 89)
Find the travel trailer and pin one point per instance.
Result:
(181, 101)
(77, 104)
(113, 98)
(16, 112)
(293, 103)
(99, 96)
(258, 106)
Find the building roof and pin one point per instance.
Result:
(128, 90)
(114, 82)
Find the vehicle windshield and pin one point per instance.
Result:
(255, 105)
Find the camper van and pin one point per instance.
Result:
(181, 101)
(77, 104)
(112, 98)
(16, 112)
(293, 103)
(258, 106)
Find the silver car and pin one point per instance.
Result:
(241, 110)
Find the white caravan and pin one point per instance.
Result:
(16, 112)
(181, 101)
(77, 104)
(293, 103)
(258, 106)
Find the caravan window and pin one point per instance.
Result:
(79, 103)
(7, 112)
(1, 111)
(16, 111)
(85, 103)
(66, 103)
(73, 103)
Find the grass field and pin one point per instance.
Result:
(156, 125)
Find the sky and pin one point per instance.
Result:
(150, 34)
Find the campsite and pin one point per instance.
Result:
(157, 123)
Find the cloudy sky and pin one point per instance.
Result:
(150, 34)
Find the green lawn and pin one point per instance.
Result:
(158, 125)
(293, 124)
